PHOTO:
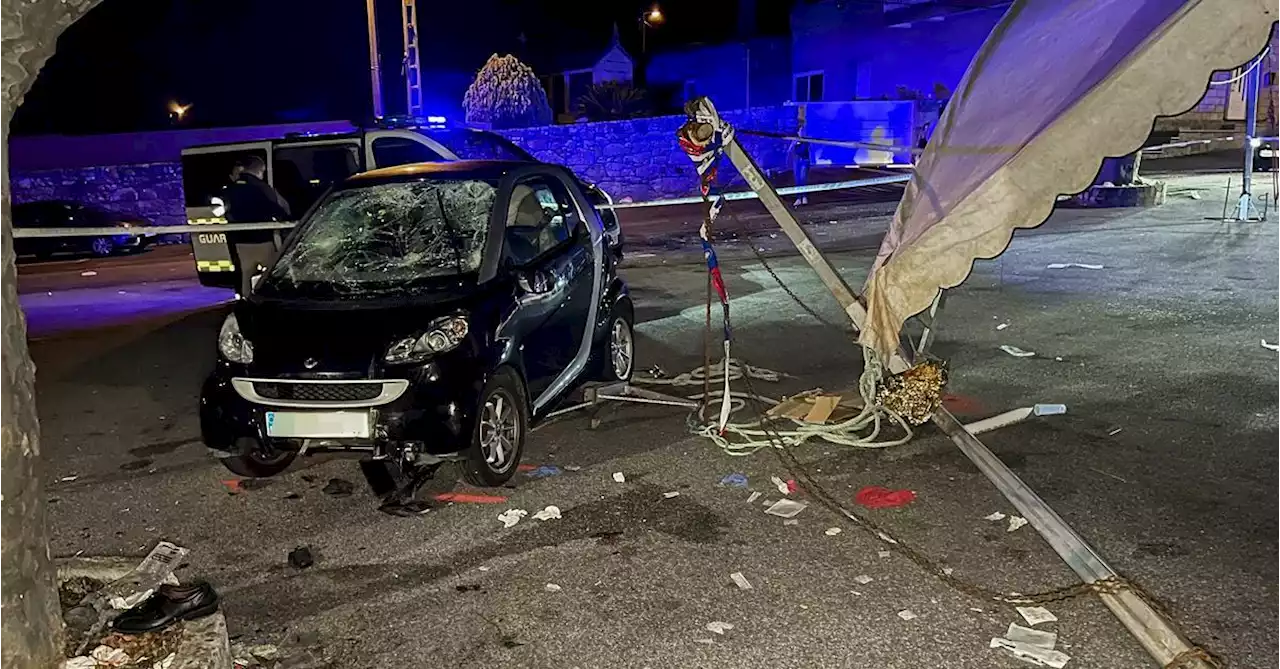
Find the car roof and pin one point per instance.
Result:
(454, 169)
(302, 137)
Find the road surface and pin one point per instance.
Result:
(1165, 461)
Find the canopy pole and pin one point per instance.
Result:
(1156, 634)
(1245, 209)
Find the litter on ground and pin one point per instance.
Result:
(863, 579)
(543, 472)
(997, 516)
(884, 554)
(780, 485)
(301, 557)
(510, 517)
(469, 498)
(718, 627)
(1034, 615)
(1068, 265)
(619, 477)
(1040, 657)
(552, 587)
(1002, 326)
(791, 521)
(1016, 522)
(754, 496)
(741, 581)
(669, 495)
(1270, 347)
(1032, 637)
(572, 468)
(906, 614)
(549, 513)
(786, 508)
(879, 497)
(832, 531)
(734, 480)
(1050, 409)
(1017, 352)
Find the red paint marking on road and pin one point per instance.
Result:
(963, 405)
(470, 498)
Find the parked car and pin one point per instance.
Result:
(65, 214)
(421, 313)
(303, 168)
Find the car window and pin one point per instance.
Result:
(471, 144)
(302, 174)
(205, 175)
(392, 151)
(540, 218)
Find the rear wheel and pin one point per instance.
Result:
(497, 440)
(102, 246)
(618, 359)
(257, 463)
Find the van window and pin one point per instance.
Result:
(303, 173)
(392, 151)
(204, 175)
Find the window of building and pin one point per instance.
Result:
(808, 87)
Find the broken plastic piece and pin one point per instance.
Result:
(884, 554)
(166, 662)
(832, 531)
(1050, 409)
(552, 587)
(1038, 638)
(82, 662)
(780, 485)
(669, 495)
(1016, 522)
(1034, 615)
(469, 498)
(786, 508)
(1017, 352)
(543, 472)
(719, 627)
(741, 581)
(510, 517)
(619, 477)
(1002, 326)
(572, 468)
(549, 513)
(89, 272)
(1032, 654)
(906, 614)
(753, 497)
(791, 521)
(863, 579)
(111, 657)
(879, 497)
(997, 516)
(734, 480)
(1270, 347)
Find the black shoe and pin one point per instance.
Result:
(168, 605)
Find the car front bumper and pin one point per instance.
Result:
(427, 408)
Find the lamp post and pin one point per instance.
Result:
(650, 19)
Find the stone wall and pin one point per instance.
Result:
(639, 159)
(153, 192)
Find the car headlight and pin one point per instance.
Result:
(231, 344)
(442, 335)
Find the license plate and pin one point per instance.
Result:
(319, 424)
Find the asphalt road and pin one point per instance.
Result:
(1165, 461)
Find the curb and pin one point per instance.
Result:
(205, 643)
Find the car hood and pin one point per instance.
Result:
(292, 338)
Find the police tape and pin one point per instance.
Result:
(203, 225)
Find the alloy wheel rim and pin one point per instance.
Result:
(499, 431)
(101, 246)
(620, 349)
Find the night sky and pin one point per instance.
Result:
(241, 62)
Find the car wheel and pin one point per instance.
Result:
(256, 464)
(497, 440)
(102, 246)
(618, 360)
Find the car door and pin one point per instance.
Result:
(550, 250)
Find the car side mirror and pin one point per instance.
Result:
(254, 280)
(535, 281)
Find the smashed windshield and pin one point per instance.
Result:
(387, 238)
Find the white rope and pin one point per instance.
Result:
(1242, 75)
(741, 439)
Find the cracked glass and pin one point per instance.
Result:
(387, 238)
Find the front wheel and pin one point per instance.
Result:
(497, 440)
(619, 358)
(259, 465)
(102, 246)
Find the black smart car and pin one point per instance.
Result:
(418, 314)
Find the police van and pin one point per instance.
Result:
(302, 168)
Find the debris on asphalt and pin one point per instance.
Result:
(552, 587)
(906, 614)
(619, 477)
(832, 531)
(1049, 409)
(338, 488)
(69, 479)
(706, 641)
(718, 627)
(995, 517)
(883, 554)
(88, 272)
(82, 662)
(1034, 615)
(407, 508)
(786, 508)
(791, 521)
(543, 472)
(1114, 432)
(1109, 475)
(1068, 265)
(510, 517)
(469, 498)
(1016, 522)
(1017, 352)
(879, 497)
(863, 579)
(1032, 637)
(572, 468)
(1002, 326)
(669, 495)
(741, 581)
(301, 557)
(780, 485)
(753, 497)
(139, 584)
(264, 651)
(291, 495)
(734, 480)
(1031, 654)
(550, 513)
(1270, 347)
(166, 662)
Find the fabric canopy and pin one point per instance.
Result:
(1058, 86)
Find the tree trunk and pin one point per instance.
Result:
(30, 620)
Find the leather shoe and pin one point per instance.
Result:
(168, 605)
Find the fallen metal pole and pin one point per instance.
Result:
(753, 195)
(1158, 636)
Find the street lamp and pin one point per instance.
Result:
(650, 19)
(178, 111)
